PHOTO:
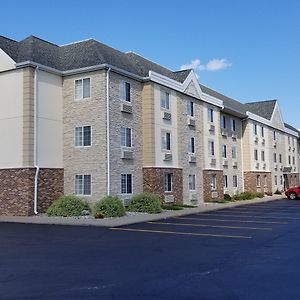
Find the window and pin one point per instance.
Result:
(274, 135)
(165, 100)
(82, 88)
(233, 152)
(289, 140)
(126, 137)
(126, 183)
(293, 160)
(213, 182)
(166, 141)
(211, 147)
(168, 182)
(234, 181)
(258, 181)
(192, 182)
(223, 122)
(255, 129)
(275, 180)
(275, 157)
(293, 142)
(83, 137)
(255, 154)
(190, 108)
(280, 158)
(289, 159)
(225, 181)
(210, 115)
(233, 127)
(224, 151)
(83, 185)
(125, 91)
(191, 145)
(263, 155)
(281, 179)
(262, 131)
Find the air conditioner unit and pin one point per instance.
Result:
(224, 133)
(127, 154)
(214, 194)
(126, 108)
(225, 162)
(212, 128)
(193, 197)
(234, 136)
(168, 156)
(257, 165)
(213, 161)
(169, 198)
(255, 139)
(167, 116)
(274, 144)
(235, 164)
(294, 149)
(192, 158)
(191, 122)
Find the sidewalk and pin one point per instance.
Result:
(131, 218)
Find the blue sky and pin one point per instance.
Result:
(248, 50)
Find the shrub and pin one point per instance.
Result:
(145, 202)
(109, 206)
(172, 207)
(227, 197)
(67, 206)
(259, 195)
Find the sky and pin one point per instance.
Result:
(247, 50)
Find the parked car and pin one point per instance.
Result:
(293, 192)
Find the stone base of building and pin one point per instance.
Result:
(154, 182)
(291, 180)
(210, 194)
(17, 190)
(261, 185)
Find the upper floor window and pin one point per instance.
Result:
(168, 182)
(293, 160)
(126, 183)
(289, 159)
(234, 181)
(166, 140)
(210, 115)
(223, 122)
(263, 155)
(255, 154)
(233, 125)
(289, 140)
(82, 88)
(275, 180)
(293, 142)
(83, 136)
(165, 100)
(255, 129)
(126, 137)
(275, 157)
(125, 91)
(274, 135)
(211, 147)
(233, 152)
(190, 108)
(262, 131)
(192, 182)
(224, 151)
(280, 158)
(191, 145)
(83, 185)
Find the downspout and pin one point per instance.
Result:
(37, 168)
(107, 132)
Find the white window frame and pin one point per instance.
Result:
(234, 152)
(223, 122)
(255, 129)
(82, 192)
(233, 125)
(127, 145)
(125, 190)
(168, 182)
(225, 182)
(224, 151)
(211, 148)
(192, 182)
(262, 154)
(191, 108)
(122, 91)
(164, 140)
(165, 99)
(81, 97)
(210, 114)
(234, 181)
(213, 182)
(191, 145)
(258, 181)
(82, 136)
(255, 154)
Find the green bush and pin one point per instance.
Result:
(109, 206)
(247, 196)
(145, 202)
(227, 197)
(172, 207)
(259, 195)
(67, 206)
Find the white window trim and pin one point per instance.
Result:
(172, 177)
(88, 146)
(124, 194)
(168, 92)
(163, 133)
(131, 131)
(82, 195)
(195, 188)
(74, 85)
(123, 82)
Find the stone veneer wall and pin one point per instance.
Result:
(17, 190)
(250, 182)
(208, 194)
(153, 181)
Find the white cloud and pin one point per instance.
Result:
(212, 65)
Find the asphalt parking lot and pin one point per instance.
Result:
(245, 252)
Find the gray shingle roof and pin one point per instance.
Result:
(82, 54)
(291, 127)
(262, 108)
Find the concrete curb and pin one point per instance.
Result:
(133, 219)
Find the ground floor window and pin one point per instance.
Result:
(192, 182)
(235, 181)
(213, 182)
(258, 181)
(225, 181)
(83, 185)
(168, 182)
(126, 183)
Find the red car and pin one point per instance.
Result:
(293, 192)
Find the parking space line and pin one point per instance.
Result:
(251, 216)
(262, 212)
(238, 221)
(213, 226)
(182, 233)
